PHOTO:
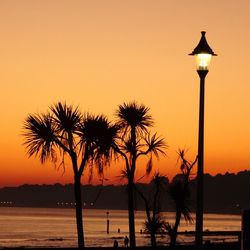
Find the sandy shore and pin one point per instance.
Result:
(212, 246)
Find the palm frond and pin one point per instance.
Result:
(98, 138)
(182, 156)
(91, 171)
(149, 166)
(156, 225)
(155, 144)
(134, 115)
(67, 119)
(159, 179)
(187, 215)
(186, 165)
(40, 135)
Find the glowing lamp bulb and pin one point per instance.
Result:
(203, 61)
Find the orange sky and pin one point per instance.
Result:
(99, 54)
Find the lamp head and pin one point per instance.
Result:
(203, 53)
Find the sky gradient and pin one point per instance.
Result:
(98, 54)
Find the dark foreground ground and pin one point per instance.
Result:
(217, 246)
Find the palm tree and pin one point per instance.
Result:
(63, 131)
(134, 121)
(155, 222)
(179, 191)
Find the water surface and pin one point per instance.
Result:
(55, 227)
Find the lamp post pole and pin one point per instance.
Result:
(199, 205)
(107, 213)
(203, 54)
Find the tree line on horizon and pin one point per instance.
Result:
(93, 141)
(222, 195)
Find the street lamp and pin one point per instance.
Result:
(203, 54)
(107, 213)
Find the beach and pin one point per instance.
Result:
(218, 246)
(55, 228)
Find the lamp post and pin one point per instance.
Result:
(107, 213)
(203, 54)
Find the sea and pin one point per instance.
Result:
(56, 227)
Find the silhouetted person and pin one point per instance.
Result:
(118, 230)
(126, 241)
(115, 244)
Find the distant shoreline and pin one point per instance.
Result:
(222, 195)
(108, 209)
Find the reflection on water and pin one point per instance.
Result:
(55, 227)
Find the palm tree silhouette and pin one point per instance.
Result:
(85, 139)
(179, 191)
(155, 222)
(134, 121)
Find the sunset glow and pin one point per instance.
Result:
(98, 54)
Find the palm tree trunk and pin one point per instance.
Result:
(175, 229)
(131, 215)
(152, 232)
(153, 239)
(78, 201)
